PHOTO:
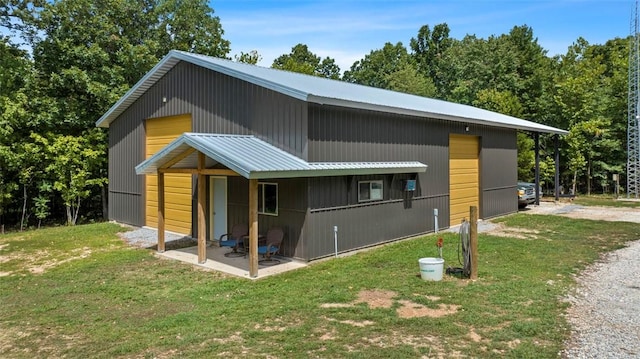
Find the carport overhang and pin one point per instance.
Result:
(252, 158)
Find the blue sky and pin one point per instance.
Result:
(348, 30)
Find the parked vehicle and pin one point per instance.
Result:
(526, 194)
(532, 185)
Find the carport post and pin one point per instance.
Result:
(253, 228)
(160, 211)
(202, 226)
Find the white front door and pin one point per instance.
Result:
(218, 205)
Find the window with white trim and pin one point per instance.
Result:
(268, 198)
(370, 191)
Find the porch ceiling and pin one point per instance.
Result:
(253, 158)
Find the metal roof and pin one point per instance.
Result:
(256, 159)
(325, 91)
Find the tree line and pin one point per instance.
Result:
(85, 54)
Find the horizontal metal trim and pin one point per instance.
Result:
(444, 195)
(125, 192)
(376, 203)
(367, 204)
(498, 188)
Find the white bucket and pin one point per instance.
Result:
(431, 268)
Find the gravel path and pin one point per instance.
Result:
(147, 238)
(605, 307)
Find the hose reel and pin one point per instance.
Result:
(464, 252)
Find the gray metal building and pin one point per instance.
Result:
(374, 163)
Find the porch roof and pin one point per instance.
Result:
(253, 158)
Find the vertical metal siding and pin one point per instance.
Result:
(292, 210)
(126, 208)
(369, 225)
(499, 174)
(217, 104)
(338, 134)
(126, 189)
(222, 104)
(498, 202)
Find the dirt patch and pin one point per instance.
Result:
(41, 261)
(355, 323)
(407, 309)
(233, 338)
(336, 305)
(475, 337)
(329, 335)
(500, 230)
(34, 341)
(376, 298)
(276, 325)
(436, 349)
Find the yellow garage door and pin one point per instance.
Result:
(464, 188)
(160, 132)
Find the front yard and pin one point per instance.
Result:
(81, 292)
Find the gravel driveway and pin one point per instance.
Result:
(605, 307)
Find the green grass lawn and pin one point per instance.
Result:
(81, 292)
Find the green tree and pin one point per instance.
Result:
(428, 49)
(584, 101)
(377, 67)
(513, 62)
(15, 69)
(17, 17)
(14, 65)
(507, 103)
(303, 61)
(409, 80)
(190, 25)
(87, 55)
(71, 160)
(252, 57)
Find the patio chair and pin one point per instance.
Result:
(234, 239)
(272, 246)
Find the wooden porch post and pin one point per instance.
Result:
(473, 241)
(202, 227)
(160, 211)
(253, 228)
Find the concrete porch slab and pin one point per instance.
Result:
(237, 266)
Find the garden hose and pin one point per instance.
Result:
(464, 250)
(465, 243)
